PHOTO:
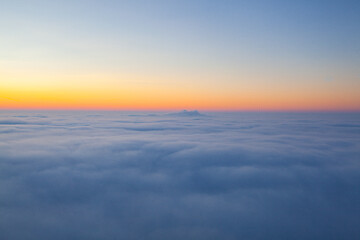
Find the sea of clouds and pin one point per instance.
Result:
(188, 175)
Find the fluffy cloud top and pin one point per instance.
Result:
(126, 175)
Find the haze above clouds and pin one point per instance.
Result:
(189, 175)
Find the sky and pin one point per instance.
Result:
(160, 55)
(186, 175)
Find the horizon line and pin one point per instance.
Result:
(182, 109)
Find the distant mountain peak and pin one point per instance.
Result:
(186, 113)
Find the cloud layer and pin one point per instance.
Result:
(126, 175)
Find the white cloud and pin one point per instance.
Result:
(118, 175)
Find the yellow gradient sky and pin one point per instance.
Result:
(179, 55)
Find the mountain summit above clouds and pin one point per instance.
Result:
(186, 113)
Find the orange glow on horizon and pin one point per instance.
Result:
(131, 99)
(28, 90)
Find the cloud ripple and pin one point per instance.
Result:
(119, 175)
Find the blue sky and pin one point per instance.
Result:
(262, 47)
